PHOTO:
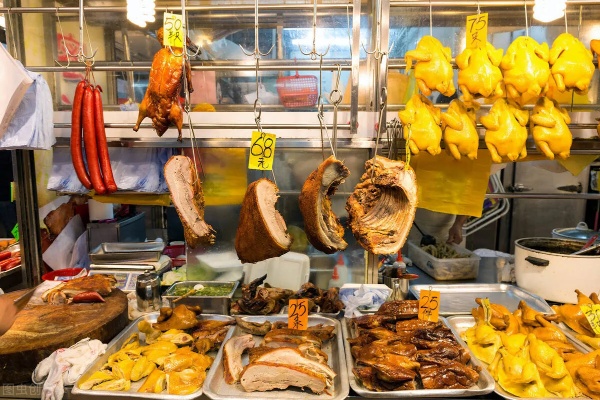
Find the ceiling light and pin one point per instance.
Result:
(549, 10)
(141, 12)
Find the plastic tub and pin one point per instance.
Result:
(445, 269)
(62, 274)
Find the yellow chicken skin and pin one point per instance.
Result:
(550, 131)
(519, 376)
(421, 122)
(525, 70)
(460, 135)
(433, 70)
(479, 74)
(594, 343)
(483, 341)
(571, 64)
(506, 131)
(552, 368)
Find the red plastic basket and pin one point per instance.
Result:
(297, 91)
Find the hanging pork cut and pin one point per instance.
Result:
(382, 207)
(187, 196)
(261, 232)
(322, 227)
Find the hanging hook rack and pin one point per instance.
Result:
(80, 55)
(313, 53)
(382, 106)
(335, 98)
(378, 53)
(526, 21)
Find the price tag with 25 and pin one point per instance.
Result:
(298, 314)
(173, 34)
(429, 305)
(262, 151)
(477, 26)
(592, 313)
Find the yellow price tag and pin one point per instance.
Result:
(487, 310)
(429, 305)
(298, 314)
(477, 26)
(592, 313)
(173, 34)
(262, 151)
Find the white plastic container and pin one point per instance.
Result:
(445, 269)
(289, 271)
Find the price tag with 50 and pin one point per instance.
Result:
(298, 314)
(429, 305)
(173, 34)
(592, 313)
(262, 151)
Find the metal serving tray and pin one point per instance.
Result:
(459, 299)
(114, 346)
(209, 304)
(459, 324)
(485, 384)
(125, 247)
(216, 388)
(100, 256)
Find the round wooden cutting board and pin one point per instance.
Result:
(41, 329)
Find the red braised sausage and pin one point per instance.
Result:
(89, 140)
(76, 151)
(104, 158)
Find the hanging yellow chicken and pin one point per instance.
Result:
(421, 120)
(479, 74)
(433, 70)
(526, 70)
(506, 131)
(571, 64)
(595, 46)
(460, 135)
(550, 131)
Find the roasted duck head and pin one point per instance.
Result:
(161, 102)
(550, 130)
(382, 207)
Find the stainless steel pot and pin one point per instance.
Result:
(580, 232)
(545, 266)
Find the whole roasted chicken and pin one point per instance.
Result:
(421, 123)
(433, 70)
(506, 130)
(526, 70)
(550, 131)
(460, 134)
(572, 66)
(161, 101)
(479, 74)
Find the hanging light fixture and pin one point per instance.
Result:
(141, 12)
(549, 10)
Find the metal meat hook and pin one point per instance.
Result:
(313, 53)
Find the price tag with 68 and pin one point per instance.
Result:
(262, 151)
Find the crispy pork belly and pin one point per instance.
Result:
(232, 357)
(261, 232)
(263, 376)
(292, 337)
(255, 328)
(321, 225)
(382, 207)
(188, 199)
(311, 352)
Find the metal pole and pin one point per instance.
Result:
(73, 10)
(355, 53)
(546, 196)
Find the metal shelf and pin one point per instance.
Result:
(485, 3)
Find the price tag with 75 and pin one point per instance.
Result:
(298, 314)
(477, 27)
(262, 151)
(429, 305)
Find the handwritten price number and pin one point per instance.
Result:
(298, 314)
(262, 151)
(173, 30)
(592, 313)
(429, 305)
(477, 30)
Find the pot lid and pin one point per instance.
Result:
(580, 232)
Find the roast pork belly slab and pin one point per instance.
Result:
(263, 376)
(232, 357)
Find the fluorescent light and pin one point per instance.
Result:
(549, 10)
(140, 12)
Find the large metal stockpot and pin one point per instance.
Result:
(545, 266)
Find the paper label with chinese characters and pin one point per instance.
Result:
(477, 26)
(298, 314)
(173, 34)
(429, 305)
(262, 151)
(592, 313)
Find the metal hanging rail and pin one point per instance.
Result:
(400, 63)
(268, 7)
(67, 125)
(486, 3)
(568, 107)
(547, 196)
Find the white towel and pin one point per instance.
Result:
(65, 366)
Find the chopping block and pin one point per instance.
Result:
(39, 330)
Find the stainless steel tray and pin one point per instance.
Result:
(216, 388)
(459, 299)
(209, 304)
(459, 324)
(125, 247)
(485, 384)
(114, 346)
(99, 256)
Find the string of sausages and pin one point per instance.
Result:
(87, 123)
